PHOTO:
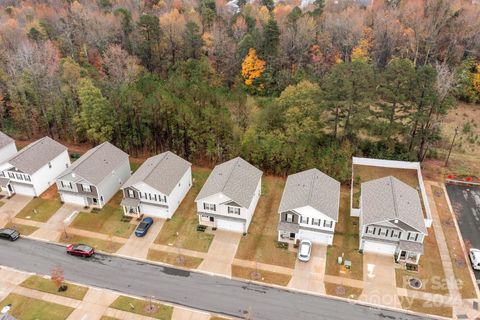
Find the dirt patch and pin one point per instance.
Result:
(260, 275)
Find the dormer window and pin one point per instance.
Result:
(86, 188)
(131, 194)
(50, 165)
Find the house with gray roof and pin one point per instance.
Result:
(230, 195)
(7, 147)
(309, 208)
(158, 187)
(391, 220)
(95, 177)
(33, 169)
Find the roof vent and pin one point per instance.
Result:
(73, 174)
(395, 221)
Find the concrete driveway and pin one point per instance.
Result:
(221, 253)
(11, 207)
(379, 280)
(309, 275)
(53, 228)
(138, 247)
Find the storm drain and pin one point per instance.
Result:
(415, 283)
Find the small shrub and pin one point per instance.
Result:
(282, 245)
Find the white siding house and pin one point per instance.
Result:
(34, 168)
(158, 187)
(230, 195)
(7, 147)
(95, 177)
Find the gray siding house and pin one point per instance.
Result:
(95, 177)
(158, 187)
(309, 208)
(391, 220)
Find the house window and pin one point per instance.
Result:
(11, 175)
(234, 210)
(19, 176)
(66, 165)
(327, 224)
(412, 236)
(289, 217)
(209, 206)
(131, 194)
(2, 174)
(27, 177)
(304, 219)
(86, 188)
(316, 222)
(50, 165)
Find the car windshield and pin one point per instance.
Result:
(8, 231)
(82, 247)
(304, 250)
(142, 226)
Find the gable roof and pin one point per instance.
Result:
(162, 172)
(236, 178)
(312, 188)
(5, 140)
(97, 163)
(389, 199)
(36, 155)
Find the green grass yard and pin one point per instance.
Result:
(24, 308)
(40, 209)
(141, 307)
(47, 285)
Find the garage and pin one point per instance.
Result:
(154, 211)
(379, 247)
(73, 199)
(23, 189)
(315, 236)
(231, 225)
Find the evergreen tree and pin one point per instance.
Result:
(192, 40)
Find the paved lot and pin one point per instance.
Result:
(195, 290)
(309, 275)
(466, 205)
(221, 253)
(138, 246)
(11, 207)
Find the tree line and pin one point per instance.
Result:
(285, 87)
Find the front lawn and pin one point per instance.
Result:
(346, 242)
(260, 244)
(338, 290)
(107, 220)
(143, 307)
(24, 229)
(47, 285)
(260, 275)
(174, 259)
(181, 230)
(40, 209)
(460, 264)
(24, 308)
(97, 244)
(428, 307)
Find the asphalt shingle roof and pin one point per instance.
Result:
(162, 172)
(389, 199)
(236, 178)
(311, 188)
(97, 163)
(36, 155)
(5, 140)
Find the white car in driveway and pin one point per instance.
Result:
(474, 255)
(304, 250)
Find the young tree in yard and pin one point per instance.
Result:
(252, 67)
(57, 276)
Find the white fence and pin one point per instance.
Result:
(399, 165)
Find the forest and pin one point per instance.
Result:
(286, 85)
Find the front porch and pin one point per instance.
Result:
(131, 207)
(408, 252)
(5, 185)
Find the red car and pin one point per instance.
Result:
(81, 250)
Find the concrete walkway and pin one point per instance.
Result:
(94, 305)
(186, 314)
(9, 280)
(138, 247)
(309, 276)
(12, 207)
(53, 298)
(262, 266)
(221, 253)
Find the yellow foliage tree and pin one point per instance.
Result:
(362, 50)
(252, 67)
(476, 79)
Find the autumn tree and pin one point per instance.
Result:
(252, 67)
(57, 276)
(361, 52)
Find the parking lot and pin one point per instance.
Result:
(466, 205)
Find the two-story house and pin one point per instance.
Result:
(34, 168)
(7, 147)
(309, 208)
(158, 187)
(229, 196)
(95, 177)
(391, 219)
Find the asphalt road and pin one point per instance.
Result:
(466, 205)
(195, 290)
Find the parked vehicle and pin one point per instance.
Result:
(81, 250)
(474, 255)
(304, 250)
(143, 227)
(9, 234)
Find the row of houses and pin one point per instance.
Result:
(390, 211)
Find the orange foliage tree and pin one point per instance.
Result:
(362, 50)
(252, 67)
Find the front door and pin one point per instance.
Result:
(95, 201)
(10, 188)
(402, 255)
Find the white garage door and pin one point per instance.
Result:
(230, 225)
(315, 237)
(154, 211)
(379, 247)
(73, 199)
(23, 189)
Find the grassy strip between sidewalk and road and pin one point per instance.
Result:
(428, 307)
(460, 264)
(97, 244)
(174, 259)
(142, 307)
(260, 275)
(338, 290)
(217, 318)
(25, 308)
(23, 229)
(46, 285)
(108, 318)
(40, 209)
(181, 230)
